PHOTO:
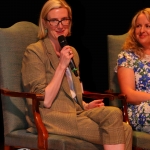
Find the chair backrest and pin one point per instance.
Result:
(114, 43)
(13, 42)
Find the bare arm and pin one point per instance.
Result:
(53, 87)
(127, 85)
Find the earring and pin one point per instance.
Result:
(46, 30)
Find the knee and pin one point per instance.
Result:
(116, 114)
(127, 128)
(128, 134)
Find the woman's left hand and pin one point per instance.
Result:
(95, 103)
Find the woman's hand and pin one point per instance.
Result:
(65, 55)
(94, 103)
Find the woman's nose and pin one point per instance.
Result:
(60, 25)
(142, 29)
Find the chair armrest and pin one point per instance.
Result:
(93, 95)
(42, 132)
(123, 98)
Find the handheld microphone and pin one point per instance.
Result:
(63, 42)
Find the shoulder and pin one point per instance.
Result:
(76, 56)
(37, 48)
(126, 59)
(74, 51)
(35, 52)
(127, 54)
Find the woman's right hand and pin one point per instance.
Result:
(65, 56)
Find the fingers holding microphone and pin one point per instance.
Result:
(67, 51)
(63, 42)
(65, 55)
(70, 53)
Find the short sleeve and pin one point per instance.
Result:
(125, 59)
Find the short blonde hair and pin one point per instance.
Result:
(49, 5)
(131, 43)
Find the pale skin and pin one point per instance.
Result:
(64, 54)
(126, 75)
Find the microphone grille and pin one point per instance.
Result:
(62, 41)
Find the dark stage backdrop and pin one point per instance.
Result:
(92, 21)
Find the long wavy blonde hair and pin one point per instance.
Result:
(131, 43)
(49, 5)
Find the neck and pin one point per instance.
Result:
(56, 46)
(147, 51)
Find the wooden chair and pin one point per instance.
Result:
(141, 140)
(13, 42)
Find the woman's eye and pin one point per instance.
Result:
(54, 20)
(148, 26)
(137, 26)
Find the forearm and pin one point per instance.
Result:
(126, 78)
(53, 87)
(136, 97)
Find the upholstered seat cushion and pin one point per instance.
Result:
(55, 142)
(141, 139)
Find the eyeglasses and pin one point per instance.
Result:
(55, 22)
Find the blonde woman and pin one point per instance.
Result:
(45, 69)
(133, 69)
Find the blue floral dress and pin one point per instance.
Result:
(139, 115)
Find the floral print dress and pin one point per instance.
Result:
(139, 115)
